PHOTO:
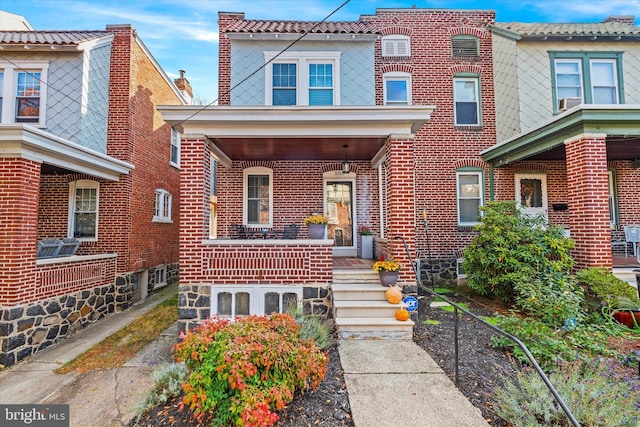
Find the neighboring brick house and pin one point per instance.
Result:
(568, 128)
(404, 97)
(84, 154)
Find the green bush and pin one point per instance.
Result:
(167, 380)
(592, 396)
(242, 372)
(604, 288)
(513, 248)
(554, 299)
(312, 327)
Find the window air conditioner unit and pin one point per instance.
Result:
(566, 103)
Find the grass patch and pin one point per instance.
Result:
(119, 348)
(443, 291)
(431, 322)
(490, 320)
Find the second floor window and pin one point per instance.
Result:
(23, 92)
(302, 78)
(397, 88)
(586, 78)
(175, 149)
(466, 100)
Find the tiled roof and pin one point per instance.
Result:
(554, 29)
(299, 27)
(50, 37)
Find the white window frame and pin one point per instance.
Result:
(320, 88)
(162, 206)
(396, 45)
(10, 90)
(476, 82)
(396, 76)
(460, 273)
(256, 297)
(73, 187)
(580, 73)
(613, 200)
(459, 196)
(160, 276)
(257, 170)
(175, 143)
(614, 70)
(302, 60)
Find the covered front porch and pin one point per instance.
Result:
(581, 170)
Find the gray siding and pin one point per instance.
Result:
(356, 69)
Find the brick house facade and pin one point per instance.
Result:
(87, 165)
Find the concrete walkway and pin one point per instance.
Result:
(396, 383)
(389, 382)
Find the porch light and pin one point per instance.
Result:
(345, 163)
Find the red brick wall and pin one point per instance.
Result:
(588, 197)
(19, 184)
(224, 56)
(439, 146)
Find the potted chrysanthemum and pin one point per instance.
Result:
(317, 225)
(388, 271)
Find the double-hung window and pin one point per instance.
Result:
(397, 88)
(162, 206)
(258, 197)
(83, 210)
(302, 78)
(470, 196)
(174, 159)
(586, 78)
(23, 92)
(466, 101)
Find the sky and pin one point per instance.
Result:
(183, 34)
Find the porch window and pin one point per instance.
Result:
(23, 92)
(162, 206)
(613, 201)
(175, 149)
(83, 210)
(258, 197)
(397, 88)
(470, 196)
(586, 78)
(233, 301)
(466, 100)
(302, 78)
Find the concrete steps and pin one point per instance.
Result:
(361, 310)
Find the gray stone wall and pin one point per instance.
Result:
(444, 272)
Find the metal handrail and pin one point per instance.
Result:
(519, 343)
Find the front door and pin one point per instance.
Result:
(340, 209)
(531, 193)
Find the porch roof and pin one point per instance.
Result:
(24, 141)
(297, 133)
(621, 124)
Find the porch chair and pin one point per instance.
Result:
(290, 232)
(632, 235)
(48, 248)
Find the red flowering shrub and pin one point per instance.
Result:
(242, 372)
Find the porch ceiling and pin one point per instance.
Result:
(621, 124)
(297, 133)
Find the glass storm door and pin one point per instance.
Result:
(531, 193)
(340, 209)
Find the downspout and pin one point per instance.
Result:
(381, 201)
(491, 190)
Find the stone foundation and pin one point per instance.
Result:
(444, 272)
(194, 303)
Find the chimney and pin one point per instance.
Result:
(621, 19)
(183, 84)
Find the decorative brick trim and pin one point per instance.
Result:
(468, 31)
(469, 163)
(530, 167)
(396, 29)
(466, 68)
(337, 166)
(391, 68)
(256, 163)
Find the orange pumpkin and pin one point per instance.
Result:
(393, 294)
(402, 314)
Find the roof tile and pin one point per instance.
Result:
(299, 27)
(570, 29)
(50, 37)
